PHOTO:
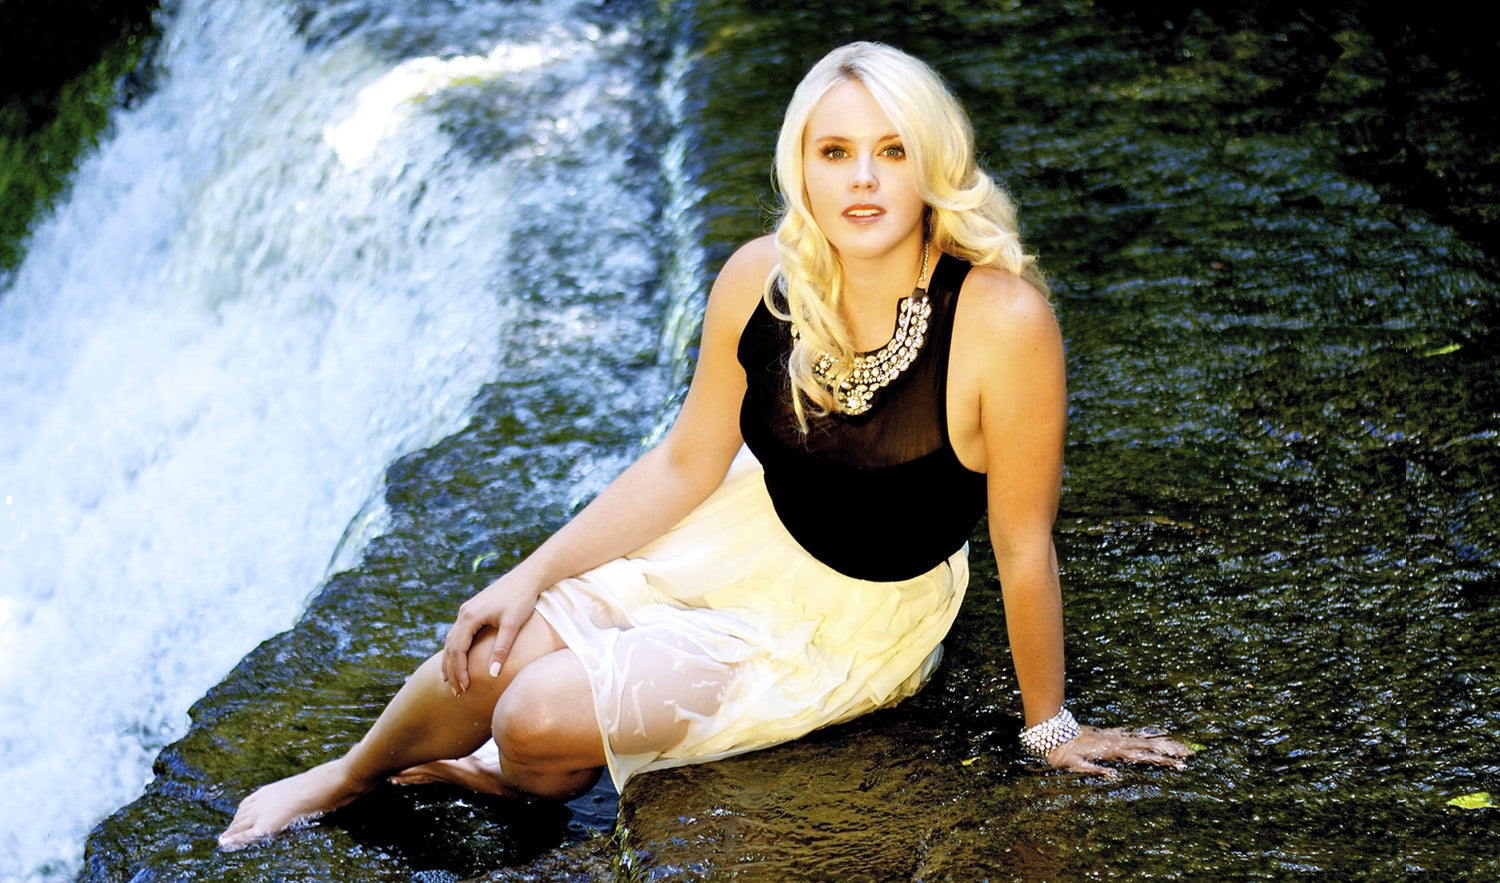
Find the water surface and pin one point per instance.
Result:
(1266, 231)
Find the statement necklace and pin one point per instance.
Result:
(854, 388)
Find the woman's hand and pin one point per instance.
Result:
(1116, 744)
(660, 488)
(503, 605)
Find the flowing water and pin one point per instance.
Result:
(365, 296)
(299, 258)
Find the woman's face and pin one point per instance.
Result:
(860, 186)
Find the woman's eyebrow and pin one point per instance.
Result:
(819, 139)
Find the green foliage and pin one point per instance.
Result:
(37, 161)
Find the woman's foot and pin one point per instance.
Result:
(289, 802)
(473, 772)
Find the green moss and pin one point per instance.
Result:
(37, 161)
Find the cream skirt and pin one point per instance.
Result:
(724, 636)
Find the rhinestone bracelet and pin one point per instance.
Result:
(1059, 729)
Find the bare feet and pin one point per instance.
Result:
(474, 772)
(289, 802)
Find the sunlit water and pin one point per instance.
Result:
(1277, 532)
(1278, 529)
(278, 274)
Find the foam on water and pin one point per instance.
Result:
(274, 278)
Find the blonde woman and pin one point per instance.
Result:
(873, 378)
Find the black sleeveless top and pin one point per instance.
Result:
(879, 495)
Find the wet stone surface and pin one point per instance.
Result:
(1278, 531)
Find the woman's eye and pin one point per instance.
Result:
(835, 152)
(894, 151)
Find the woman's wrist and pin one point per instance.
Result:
(1039, 740)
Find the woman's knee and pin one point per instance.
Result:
(545, 717)
(523, 729)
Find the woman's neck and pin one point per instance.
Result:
(873, 287)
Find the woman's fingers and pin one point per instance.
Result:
(1152, 748)
(502, 607)
(1116, 744)
(456, 648)
(450, 671)
(505, 638)
(1169, 749)
(1086, 767)
(1146, 754)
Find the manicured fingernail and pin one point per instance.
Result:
(494, 669)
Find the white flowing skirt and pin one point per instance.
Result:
(725, 636)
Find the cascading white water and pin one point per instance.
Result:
(277, 275)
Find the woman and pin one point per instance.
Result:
(794, 550)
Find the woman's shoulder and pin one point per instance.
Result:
(1004, 308)
(740, 286)
(752, 262)
(742, 280)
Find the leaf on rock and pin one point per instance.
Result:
(1477, 800)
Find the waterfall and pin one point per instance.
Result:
(284, 268)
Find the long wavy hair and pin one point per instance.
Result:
(967, 214)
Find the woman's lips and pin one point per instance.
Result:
(863, 214)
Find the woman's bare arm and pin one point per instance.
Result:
(1012, 353)
(1012, 336)
(656, 492)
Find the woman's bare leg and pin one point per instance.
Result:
(546, 730)
(547, 740)
(545, 727)
(424, 722)
(477, 772)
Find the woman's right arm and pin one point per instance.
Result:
(656, 492)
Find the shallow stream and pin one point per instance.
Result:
(1269, 234)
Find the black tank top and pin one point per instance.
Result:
(880, 495)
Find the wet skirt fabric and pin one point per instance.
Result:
(725, 636)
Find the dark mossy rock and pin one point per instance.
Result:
(1278, 525)
(889, 797)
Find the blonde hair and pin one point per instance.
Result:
(967, 215)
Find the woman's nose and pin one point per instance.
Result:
(864, 177)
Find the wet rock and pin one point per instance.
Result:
(1276, 529)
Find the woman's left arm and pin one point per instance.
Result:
(1008, 341)
(1018, 376)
